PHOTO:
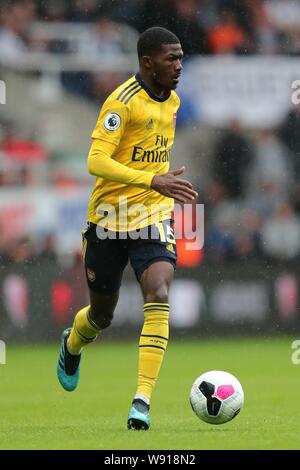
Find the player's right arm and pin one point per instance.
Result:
(113, 119)
(101, 164)
(106, 138)
(176, 188)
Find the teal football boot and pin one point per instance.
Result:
(68, 368)
(138, 417)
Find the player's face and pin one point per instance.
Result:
(167, 66)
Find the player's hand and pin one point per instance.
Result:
(171, 186)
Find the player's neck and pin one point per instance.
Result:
(153, 87)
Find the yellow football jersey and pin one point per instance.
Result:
(141, 127)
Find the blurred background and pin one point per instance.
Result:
(238, 133)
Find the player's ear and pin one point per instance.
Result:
(147, 61)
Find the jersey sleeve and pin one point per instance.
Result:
(101, 164)
(112, 121)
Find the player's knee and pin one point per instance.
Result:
(158, 294)
(105, 322)
(102, 320)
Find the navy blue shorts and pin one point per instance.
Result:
(106, 259)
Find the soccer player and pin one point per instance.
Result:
(130, 157)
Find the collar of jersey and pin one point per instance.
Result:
(148, 91)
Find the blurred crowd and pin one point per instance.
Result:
(203, 26)
(252, 201)
(252, 198)
(110, 27)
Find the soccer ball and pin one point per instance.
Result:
(216, 397)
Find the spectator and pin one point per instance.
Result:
(103, 39)
(247, 234)
(270, 165)
(227, 36)
(83, 10)
(15, 17)
(22, 251)
(55, 10)
(265, 36)
(183, 21)
(290, 135)
(153, 13)
(18, 157)
(281, 234)
(233, 156)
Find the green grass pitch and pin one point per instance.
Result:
(37, 414)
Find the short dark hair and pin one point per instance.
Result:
(151, 40)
